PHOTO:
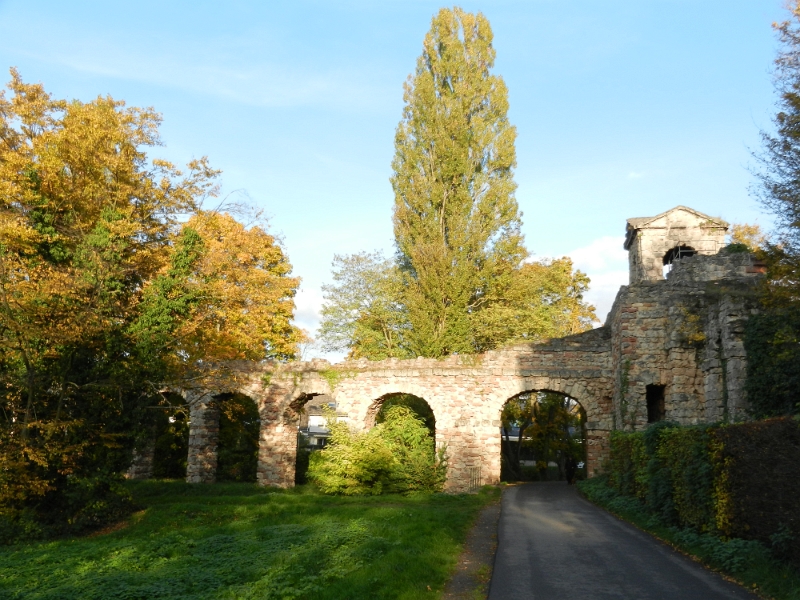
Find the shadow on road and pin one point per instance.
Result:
(553, 545)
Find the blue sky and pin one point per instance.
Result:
(623, 108)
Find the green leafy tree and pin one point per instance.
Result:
(460, 283)
(456, 220)
(363, 311)
(107, 291)
(779, 176)
(538, 300)
(773, 337)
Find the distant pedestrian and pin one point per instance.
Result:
(569, 468)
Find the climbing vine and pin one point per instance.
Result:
(335, 376)
(624, 384)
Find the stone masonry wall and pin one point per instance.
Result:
(466, 393)
(683, 333)
(201, 466)
(142, 463)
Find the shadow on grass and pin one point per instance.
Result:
(242, 541)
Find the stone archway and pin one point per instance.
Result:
(419, 406)
(465, 393)
(554, 425)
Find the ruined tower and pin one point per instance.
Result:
(655, 243)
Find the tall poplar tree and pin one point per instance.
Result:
(456, 220)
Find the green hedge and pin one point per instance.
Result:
(772, 341)
(739, 481)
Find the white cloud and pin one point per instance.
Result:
(605, 261)
(602, 254)
(635, 175)
(308, 309)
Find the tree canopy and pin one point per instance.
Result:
(114, 282)
(462, 280)
(363, 312)
(773, 337)
(456, 221)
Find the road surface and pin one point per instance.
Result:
(554, 545)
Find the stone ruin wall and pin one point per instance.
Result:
(649, 239)
(466, 394)
(684, 333)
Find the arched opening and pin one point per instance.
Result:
(313, 412)
(676, 253)
(416, 404)
(171, 448)
(543, 437)
(237, 448)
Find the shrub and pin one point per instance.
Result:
(758, 491)
(628, 464)
(87, 504)
(394, 456)
(659, 483)
(78, 506)
(740, 481)
(684, 452)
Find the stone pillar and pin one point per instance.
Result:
(473, 456)
(201, 465)
(277, 453)
(733, 315)
(598, 451)
(142, 463)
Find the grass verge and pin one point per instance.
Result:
(240, 541)
(747, 562)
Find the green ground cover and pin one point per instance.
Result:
(237, 540)
(746, 561)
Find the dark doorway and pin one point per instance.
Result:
(676, 253)
(239, 426)
(655, 403)
(171, 438)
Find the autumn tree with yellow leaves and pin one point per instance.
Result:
(113, 282)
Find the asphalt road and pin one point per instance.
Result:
(553, 545)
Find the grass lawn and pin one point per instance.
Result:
(242, 541)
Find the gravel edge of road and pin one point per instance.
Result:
(473, 573)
